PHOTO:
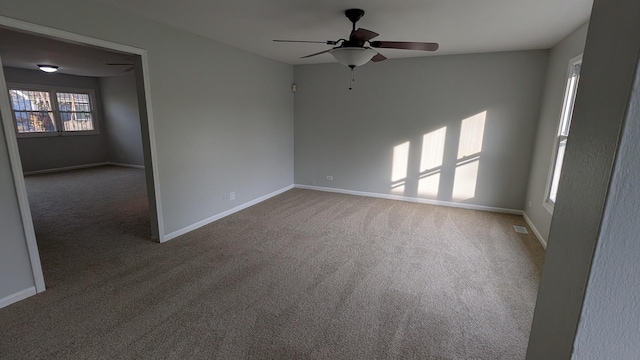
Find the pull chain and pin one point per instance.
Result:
(353, 78)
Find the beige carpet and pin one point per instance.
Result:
(304, 275)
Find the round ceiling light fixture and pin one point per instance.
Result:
(48, 68)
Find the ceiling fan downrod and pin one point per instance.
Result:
(354, 15)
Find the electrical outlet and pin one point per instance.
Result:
(312, 182)
(232, 195)
(330, 178)
(225, 197)
(530, 203)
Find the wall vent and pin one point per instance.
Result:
(520, 229)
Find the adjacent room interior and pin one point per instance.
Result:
(401, 209)
(81, 148)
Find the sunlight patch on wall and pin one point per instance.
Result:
(399, 167)
(433, 149)
(429, 185)
(466, 178)
(469, 149)
(398, 188)
(400, 161)
(431, 161)
(471, 135)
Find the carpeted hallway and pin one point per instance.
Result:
(304, 275)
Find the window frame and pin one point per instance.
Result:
(57, 118)
(564, 121)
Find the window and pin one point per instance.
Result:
(75, 111)
(563, 131)
(41, 111)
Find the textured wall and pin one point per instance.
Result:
(449, 128)
(15, 266)
(608, 326)
(567, 49)
(608, 71)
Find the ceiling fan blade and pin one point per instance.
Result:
(405, 45)
(318, 53)
(329, 42)
(379, 57)
(362, 35)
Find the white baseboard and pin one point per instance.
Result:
(412, 199)
(133, 166)
(542, 241)
(66, 168)
(83, 166)
(20, 295)
(219, 216)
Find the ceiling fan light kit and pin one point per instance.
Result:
(352, 57)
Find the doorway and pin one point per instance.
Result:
(60, 97)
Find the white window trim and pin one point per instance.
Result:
(53, 90)
(547, 203)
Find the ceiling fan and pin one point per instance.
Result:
(353, 52)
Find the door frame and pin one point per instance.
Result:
(144, 103)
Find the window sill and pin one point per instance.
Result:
(56, 134)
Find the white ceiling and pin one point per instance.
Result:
(459, 26)
(25, 51)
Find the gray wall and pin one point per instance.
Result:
(610, 310)
(351, 135)
(15, 266)
(119, 140)
(223, 118)
(40, 153)
(565, 50)
(608, 326)
(121, 119)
